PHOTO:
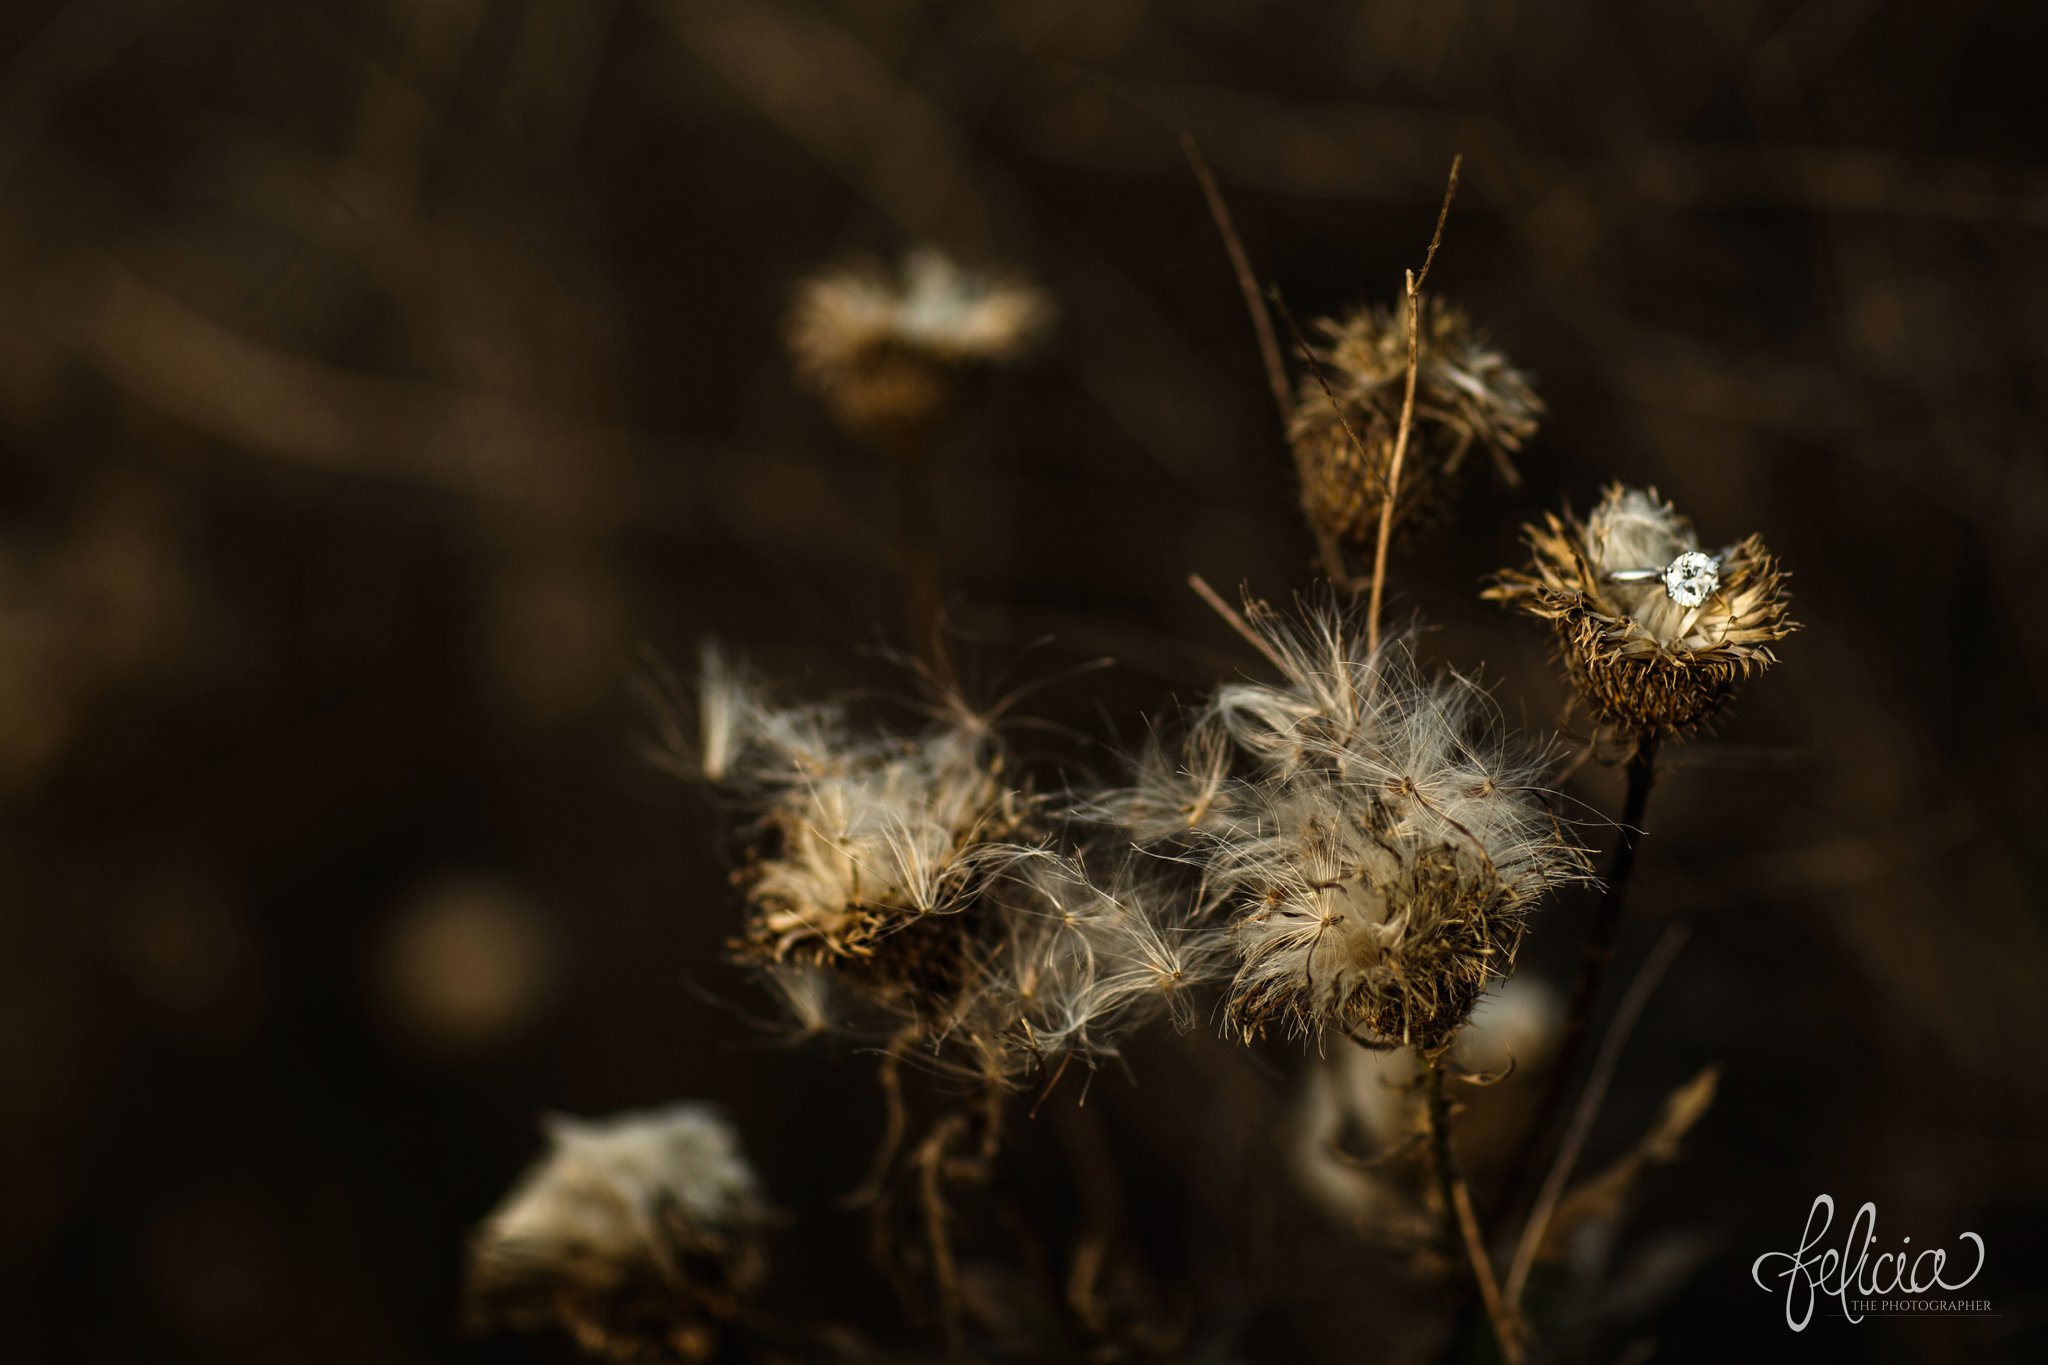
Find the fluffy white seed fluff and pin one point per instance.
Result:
(1378, 845)
(866, 833)
(1076, 963)
(917, 870)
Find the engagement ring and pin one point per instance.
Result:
(1688, 580)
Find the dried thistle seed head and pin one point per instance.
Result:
(888, 353)
(1466, 395)
(915, 873)
(1344, 922)
(1378, 845)
(638, 1235)
(1654, 631)
(870, 852)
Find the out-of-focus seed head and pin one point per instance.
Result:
(1466, 395)
(638, 1234)
(889, 352)
(1659, 649)
(1372, 1104)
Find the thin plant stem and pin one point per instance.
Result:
(1406, 428)
(1463, 1223)
(1234, 619)
(1598, 950)
(1247, 282)
(1386, 531)
(931, 1163)
(1604, 1067)
(895, 1120)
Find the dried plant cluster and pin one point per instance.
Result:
(1349, 843)
(1374, 837)
(917, 875)
(890, 352)
(868, 852)
(1642, 660)
(1347, 418)
(641, 1235)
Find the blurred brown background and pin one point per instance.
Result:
(378, 380)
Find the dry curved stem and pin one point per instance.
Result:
(938, 1165)
(1604, 1067)
(1463, 1223)
(1247, 282)
(895, 1119)
(1407, 425)
(933, 1169)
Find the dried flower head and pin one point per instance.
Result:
(637, 1234)
(1654, 631)
(1466, 394)
(867, 849)
(1378, 845)
(914, 869)
(888, 353)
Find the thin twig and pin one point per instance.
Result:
(1402, 433)
(1247, 283)
(1642, 777)
(1464, 1223)
(931, 1163)
(895, 1119)
(1236, 621)
(1386, 531)
(1443, 214)
(1604, 1067)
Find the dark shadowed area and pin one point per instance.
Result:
(389, 391)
